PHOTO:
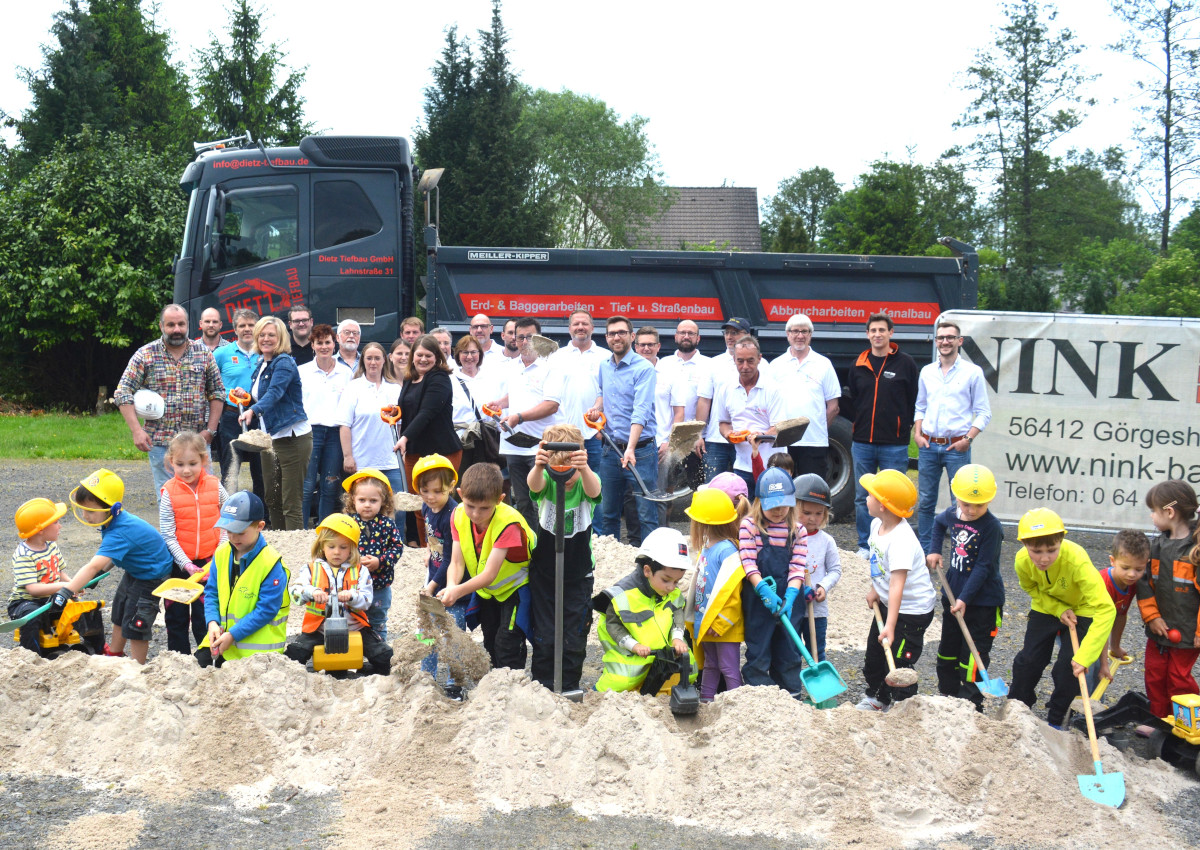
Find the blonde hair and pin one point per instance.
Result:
(185, 440)
(563, 433)
(327, 535)
(701, 535)
(760, 518)
(824, 511)
(284, 346)
(386, 509)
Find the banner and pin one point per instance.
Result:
(1088, 412)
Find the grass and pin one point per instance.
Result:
(63, 436)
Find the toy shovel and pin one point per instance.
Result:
(13, 625)
(820, 678)
(1107, 789)
(988, 687)
(182, 590)
(656, 495)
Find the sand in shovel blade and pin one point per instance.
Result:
(407, 501)
(683, 437)
(902, 678)
(467, 660)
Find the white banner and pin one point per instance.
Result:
(1088, 412)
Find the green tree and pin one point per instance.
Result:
(1170, 288)
(790, 236)
(1099, 272)
(1085, 196)
(600, 175)
(247, 85)
(804, 198)
(1187, 232)
(89, 235)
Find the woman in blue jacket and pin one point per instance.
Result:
(279, 403)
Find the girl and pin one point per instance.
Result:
(772, 544)
(336, 568)
(1169, 596)
(824, 566)
(715, 597)
(369, 500)
(188, 509)
(732, 485)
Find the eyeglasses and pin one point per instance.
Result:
(307, 321)
(524, 337)
(805, 331)
(479, 327)
(650, 344)
(617, 333)
(946, 338)
(686, 333)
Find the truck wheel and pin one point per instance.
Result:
(841, 469)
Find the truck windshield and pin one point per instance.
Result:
(189, 227)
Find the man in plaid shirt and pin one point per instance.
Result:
(184, 373)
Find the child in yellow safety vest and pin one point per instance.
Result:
(336, 568)
(643, 613)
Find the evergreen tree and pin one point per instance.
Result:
(804, 198)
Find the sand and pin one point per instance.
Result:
(104, 831)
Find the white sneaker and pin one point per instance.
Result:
(865, 554)
(871, 704)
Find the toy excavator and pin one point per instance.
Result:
(1176, 737)
(80, 626)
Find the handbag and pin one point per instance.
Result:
(482, 442)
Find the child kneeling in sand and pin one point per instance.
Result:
(336, 568)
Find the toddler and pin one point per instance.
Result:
(369, 500)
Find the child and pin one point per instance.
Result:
(824, 565)
(780, 459)
(380, 546)
(126, 541)
(1065, 589)
(492, 546)
(900, 584)
(974, 577)
(1126, 565)
(714, 605)
(245, 600)
(732, 485)
(37, 566)
(336, 568)
(189, 505)
(434, 478)
(1169, 596)
(581, 500)
(771, 543)
(643, 613)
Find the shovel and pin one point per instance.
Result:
(518, 439)
(897, 678)
(657, 495)
(390, 413)
(1108, 789)
(988, 687)
(182, 590)
(821, 679)
(786, 432)
(243, 400)
(560, 476)
(13, 625)
(685, 699)
(1114, 664)
(812, 633)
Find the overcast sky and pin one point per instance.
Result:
(741, 93)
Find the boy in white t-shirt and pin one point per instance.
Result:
(900, 583)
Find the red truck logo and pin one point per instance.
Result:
(261, 296)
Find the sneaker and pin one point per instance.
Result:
(1057, 726)
(454, 692)
(864, 553)
(872, 704)
(108, 651)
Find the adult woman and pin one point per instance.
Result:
(367, 439)
(476, 389)
(427, 402)
(397, 364)
(279, 402)
(323, 380)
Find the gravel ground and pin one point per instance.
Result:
(35, 810)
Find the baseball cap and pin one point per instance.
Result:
(240, 510)
(737, 323)
(775, 489)
(729, 483)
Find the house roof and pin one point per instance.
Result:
(703, 214)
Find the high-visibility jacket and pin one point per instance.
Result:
(196, 514)
(241, 599)
(649, 620)
(314, 614)
(513, 574)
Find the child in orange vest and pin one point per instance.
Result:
(336, 565)
(189, 506)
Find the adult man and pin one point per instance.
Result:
(812, 390)
(446, 343)
(481, 329)
(718, 454)
(300, 324)
(348, 334)
(751, 403)
(531, 400)
(411, 329)
(237, 363)
(883, 389)
(952, 409)
(685, 370)
(210, 329)
(180, 370)
(509, 337)
(580, 360)
(626, 398)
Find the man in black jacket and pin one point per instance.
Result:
(883, 389)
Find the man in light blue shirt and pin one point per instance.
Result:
(627, 383)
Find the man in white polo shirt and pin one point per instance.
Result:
(812, 390)
(579, 361)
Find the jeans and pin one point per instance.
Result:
(324, 474)
(430, 663)
(283, 474)
(931, 462)
(158, 467)
(377, 614)
(615, 480)
(718, 458)
(519, 467)
(227, 431)
(872, 457)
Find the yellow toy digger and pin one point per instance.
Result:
(80, 626)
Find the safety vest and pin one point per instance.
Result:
(196, 514)
(649, 620)
(238, 602)
(314, 614)
(513, 574)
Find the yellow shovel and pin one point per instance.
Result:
(182, 590)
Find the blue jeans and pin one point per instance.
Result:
(930, 463)
(615, 481)
(872, 457)
(818, 651)
(324, 475)
(459, 612)
(718, 458)
(158, 468)
(377, 614)
(399, 483)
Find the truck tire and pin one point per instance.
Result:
(841, 469)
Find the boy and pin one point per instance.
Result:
(900, 584)
(434, 478)
(245, 603)
(1065, 590)
(643, 613)
(126, 541)
(492, 545)
(973, 576)
(581, 500)
(38, 572)
(1126, 565)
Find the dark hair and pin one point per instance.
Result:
(783, 460)
(647, 330)
(617, 320)
(323, 330)
(1052, 539)
(360, 368)
(528, 322)
(1132, 543)
(1175, 494)
(446, 476)
(880, 317)
(429, 343)
(946, 323)
(482, 482)
(299, 308)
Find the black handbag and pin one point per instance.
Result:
(481, 443)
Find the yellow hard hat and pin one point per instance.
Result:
(343, 524)
(1040, 522)
(894, 490)
(106, 486)
(432, 462)
(37, 514)
(711, 507)
(974, 484)
(367, 473)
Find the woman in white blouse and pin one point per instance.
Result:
(367, 440)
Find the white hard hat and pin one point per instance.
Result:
(149, 404)
(668, 547)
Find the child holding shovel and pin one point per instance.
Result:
(824, 564)
(434, 478)
(714, 605)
